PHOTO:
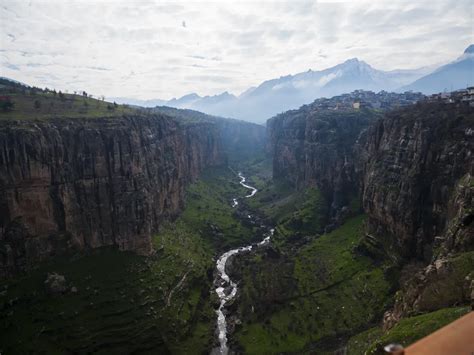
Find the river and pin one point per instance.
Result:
(226, 289)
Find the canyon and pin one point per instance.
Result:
(372, 212)
(411, 170)
(72, 185)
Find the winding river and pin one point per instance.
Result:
(226, 289)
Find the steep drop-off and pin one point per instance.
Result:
(412, 165)
(85, 183)
(315, 148)
(418, 192)
(412, 169)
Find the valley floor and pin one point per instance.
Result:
(307, 292)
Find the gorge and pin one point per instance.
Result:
(84, 184)
(224, 282)
(143, 234)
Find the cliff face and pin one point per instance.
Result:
(82, 184)
(316, 148)
(412, 164)
(240, 139)
(406, 167)
(418, 191)
(414, 172)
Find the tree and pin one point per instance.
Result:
(84, 94)
(6, 104)
(37, 104)
(61, 96)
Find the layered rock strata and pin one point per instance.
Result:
(86, 183)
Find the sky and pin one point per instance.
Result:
(163, 49)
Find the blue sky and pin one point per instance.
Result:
(164, 49)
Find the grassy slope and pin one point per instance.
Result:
(334, 293)
(209, 203)
(284, 304)
(120, 304)
(406, 332)
(316, 288)
(52, 106)
(122, 299)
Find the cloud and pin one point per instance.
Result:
(152, 49)
(12, 66)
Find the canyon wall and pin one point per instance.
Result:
(412, 165)
(413, 171)
(241, 139)
(315, 148)
(405, 166)
(79, 184)
(417, 173)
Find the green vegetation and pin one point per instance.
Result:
(293, 212)
(310, 215)
(406, 332)
(121, 304)
(209, 212)
(129, 303)
(20, 102)
(301, 212)
(322, 291)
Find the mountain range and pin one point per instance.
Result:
(257, 104)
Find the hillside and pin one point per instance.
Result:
(41, 104)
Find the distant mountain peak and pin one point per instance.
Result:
(452, 76)
(355, 62)
(469, 50)
(190, 96)
(225, 94)
(352, 61)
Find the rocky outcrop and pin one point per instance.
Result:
(315, 148)
(55, 283)
(82, 184)
(449, 278)
(446, 282)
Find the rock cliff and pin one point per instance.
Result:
(413, 170)
(78, 184)
(406, 167)
(313, 147)
(412, 165)
(418, 192)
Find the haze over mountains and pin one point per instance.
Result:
(455, 75)
(257, 104)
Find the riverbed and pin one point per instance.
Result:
(226, 289)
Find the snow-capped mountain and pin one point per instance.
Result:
(455, 75)
(257, 104)
(292, 91)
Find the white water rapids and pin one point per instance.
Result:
(226, 288)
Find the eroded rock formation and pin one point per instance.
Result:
(81, 184)
(312, 147)
(413, 171)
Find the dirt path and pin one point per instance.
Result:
(178, 285)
